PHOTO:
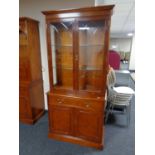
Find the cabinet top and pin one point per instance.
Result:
(28, 19)
(86, 9)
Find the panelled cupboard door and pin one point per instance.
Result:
(61, 44)
(91, 54)
(60, 117)
(89, 125)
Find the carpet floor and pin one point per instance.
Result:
(119, 139)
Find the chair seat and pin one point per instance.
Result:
(124, 90)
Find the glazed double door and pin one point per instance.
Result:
(76, 52)
(76, 122)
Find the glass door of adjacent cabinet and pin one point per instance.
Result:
(62, 54)
(91, 54)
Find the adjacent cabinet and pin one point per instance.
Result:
(31, 96)
(78, 42)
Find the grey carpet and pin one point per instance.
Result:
(119, 139)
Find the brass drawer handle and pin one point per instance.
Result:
(87, 105)
(59, 101)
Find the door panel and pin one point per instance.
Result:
(60, 117)
(89, 125)
(91, 54)
(62, 54)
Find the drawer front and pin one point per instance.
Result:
(76, 102)
(61, 100)
(91, 104)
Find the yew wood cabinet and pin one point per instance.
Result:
(31, 96)
(78, 42)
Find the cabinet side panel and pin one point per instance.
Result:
(37, 98)
(24, 102)
(34, 50)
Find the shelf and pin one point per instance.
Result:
(67, 45)
(63, 68)
(91, 69)
(62, 87)
(84, 45)
(80, 69)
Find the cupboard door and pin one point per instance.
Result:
(60, 119)
(89, 125)
(91, 54)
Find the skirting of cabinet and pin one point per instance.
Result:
(75, 140)
(32, 121)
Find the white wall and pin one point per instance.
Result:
(33, 8)
(132, 57)
(122, 44)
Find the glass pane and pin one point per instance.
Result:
(62, 54)
(91, 36)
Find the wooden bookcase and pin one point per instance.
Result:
(31, 96)
(78, 42)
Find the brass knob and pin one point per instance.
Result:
(87, 105)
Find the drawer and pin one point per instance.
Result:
(86, 104)
(58, 100)
(91, 104)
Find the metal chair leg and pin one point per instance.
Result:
(128, 114)
(112, 107)
(107, 113)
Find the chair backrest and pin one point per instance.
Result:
(111, 78)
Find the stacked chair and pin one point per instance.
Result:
(118, 96)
